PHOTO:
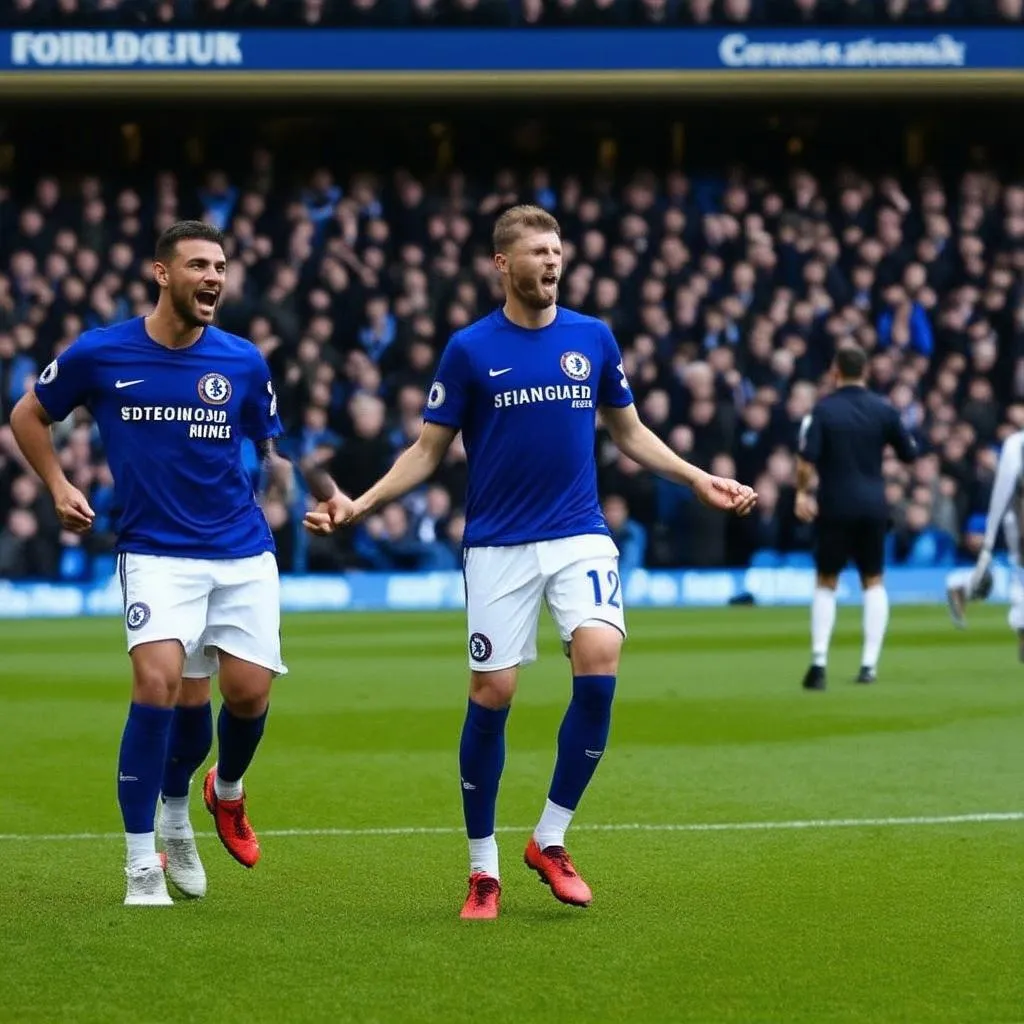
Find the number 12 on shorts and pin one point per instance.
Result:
(612, 578)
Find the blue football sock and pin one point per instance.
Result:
(237, 740)
(582, 738)
(481, 759)
(190, 741)
(140, 766)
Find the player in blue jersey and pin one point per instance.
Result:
(524, 385)
(173, 397)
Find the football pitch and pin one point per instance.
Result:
(757, 853)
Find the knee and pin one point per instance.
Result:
(493, 689)
(247, 699)
(195, 693)
(155, 682)
(595, 651)
(245, 687)
(868, 582)
(828, 582)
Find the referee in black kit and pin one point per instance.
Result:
(844, 439)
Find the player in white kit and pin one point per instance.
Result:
(964, 585)
(524, 385)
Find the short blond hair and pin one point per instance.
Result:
(518, 219)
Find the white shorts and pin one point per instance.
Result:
(230, 604)
(578, 577)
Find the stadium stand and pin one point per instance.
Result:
(507, 13)
(727, 291)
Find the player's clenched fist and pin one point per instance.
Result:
(330, 515)
(727, 495)
(73, 509)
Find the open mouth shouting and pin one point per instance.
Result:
(206, 301)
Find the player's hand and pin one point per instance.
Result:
(328, 516)
(73, 509)
(806, 508)
(726, 495)
(980, 574)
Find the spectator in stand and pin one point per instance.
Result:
(728, 297)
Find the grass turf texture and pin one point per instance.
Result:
(886, 923)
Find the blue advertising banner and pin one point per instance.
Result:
(444, 591)
(534, 50)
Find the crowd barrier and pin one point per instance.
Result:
(440, 591)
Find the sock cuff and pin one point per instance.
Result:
(226, 712)
(825, 591)
(878, 588)
(146, 716)
(194, 710)
(593, 684)
(486, 719)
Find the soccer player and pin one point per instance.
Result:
(844, 439)
(964, 585)
(173, 397)
(524, 385)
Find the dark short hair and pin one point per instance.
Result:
(518, 219)
(185, 231)
(851, 361)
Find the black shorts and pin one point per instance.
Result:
(840, 540)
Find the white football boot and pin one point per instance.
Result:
(184, 868)
(147, 887)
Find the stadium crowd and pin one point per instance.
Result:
(727, 296)
(369, 13)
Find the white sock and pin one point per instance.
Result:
(141, 850)
(227, 790)
(483, 856)
(876, 619)
(174, 816)
(551, 828)
(823, 620)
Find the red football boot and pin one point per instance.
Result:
(232, 824)
(555, 867)
(484, 898)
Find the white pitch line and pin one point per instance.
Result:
(981, 817)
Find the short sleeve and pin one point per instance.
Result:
(67, 382)
(449, 393)
(259, 412)
(613, 389)
(809, 440)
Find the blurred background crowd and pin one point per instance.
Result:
(728, 250)
(369, 13)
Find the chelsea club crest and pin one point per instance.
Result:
(576, 366)
(214, 388)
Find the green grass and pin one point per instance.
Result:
(881, 923)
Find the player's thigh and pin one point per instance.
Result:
(504, 593)
(832, 547)
(165, 599)
(244, 615)
(867, 541)
(587, 591)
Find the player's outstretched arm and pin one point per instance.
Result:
(30, 425)
(645, 447)
(413, 467)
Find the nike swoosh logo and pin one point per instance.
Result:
(498, 373)
(127, 383)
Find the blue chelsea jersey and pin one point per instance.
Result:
(526, 402)
(172, 423)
